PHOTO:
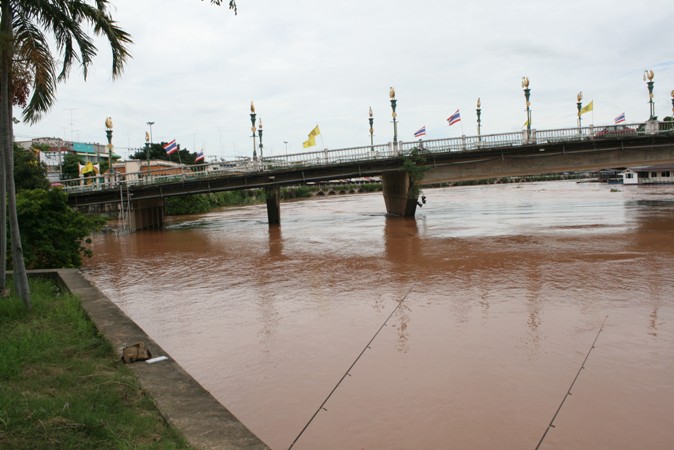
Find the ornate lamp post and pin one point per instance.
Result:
(108, 135)
(479, 111)
(252, 128)
(649, 74)
(259, 132)
(579, 105)
(392, 95)
(371, 120)
(673, 104)
(527, 93)
(148, 143)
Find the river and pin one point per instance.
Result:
(482, 309)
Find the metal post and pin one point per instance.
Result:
(259, 132)
(286, 143)
(108, 135)
(392, 96)
(579, 105)
(649, 74)
(147, 153)
(371, 120)
(527, 93)
(252, 128)
(673, 104)
(479, 111)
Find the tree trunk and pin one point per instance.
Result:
(7, 150)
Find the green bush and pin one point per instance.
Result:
(53, 235)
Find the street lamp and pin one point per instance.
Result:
(371, 120)
(649, 74)
(286, 143)
(392, 95)
(579, 105)
(673, 104)
(108, 135)
(527, 93)
(479, 111)
(252, 128)
(259, 132)
(147, 151)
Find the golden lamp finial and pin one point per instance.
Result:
(579, 97)
(525, 82)
(252, 107)
(108, 123)
(370, 113)
(392, 93)
(478, 103)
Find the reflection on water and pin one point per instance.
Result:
(511, 284)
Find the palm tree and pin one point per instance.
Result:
(26, 26)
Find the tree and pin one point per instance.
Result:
(156, 151)
(54, 235)
(26, 29)
(70, 167)
(29, 172)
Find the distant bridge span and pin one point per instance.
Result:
(446, 160)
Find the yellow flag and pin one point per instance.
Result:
(315, 132)
(310, 143)
(587, 108)
(526, 124)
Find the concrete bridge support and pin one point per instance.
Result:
(273, 195)
(147, 214)
(400, 195)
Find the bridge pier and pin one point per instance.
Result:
(273, 196)
(400, 195)
(147, 214)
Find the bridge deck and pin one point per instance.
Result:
(464, 158)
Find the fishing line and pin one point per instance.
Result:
(351, 366)
(582, 366)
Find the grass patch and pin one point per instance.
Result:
(62, 385)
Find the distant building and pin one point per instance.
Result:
(137, 169)
(656, 174)
(58, 148)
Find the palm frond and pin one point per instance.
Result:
(32, 48)
(67, 22)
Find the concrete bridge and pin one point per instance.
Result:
(403, 167)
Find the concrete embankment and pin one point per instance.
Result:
(184, 403)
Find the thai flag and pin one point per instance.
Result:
(171, 147)
(420, 132)
(200, 156)
(456, 117)
(620, 118)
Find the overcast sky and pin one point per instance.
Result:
(196, 67)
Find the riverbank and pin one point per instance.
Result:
(64, 386)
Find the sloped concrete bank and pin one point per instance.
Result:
(184, 403)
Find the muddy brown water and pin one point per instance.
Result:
(507, 288)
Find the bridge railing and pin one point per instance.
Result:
(365, 153)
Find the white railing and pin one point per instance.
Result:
(358, 154)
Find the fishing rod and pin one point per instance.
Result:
(351, 366)
(568, 392)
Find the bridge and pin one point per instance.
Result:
(402, 166)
